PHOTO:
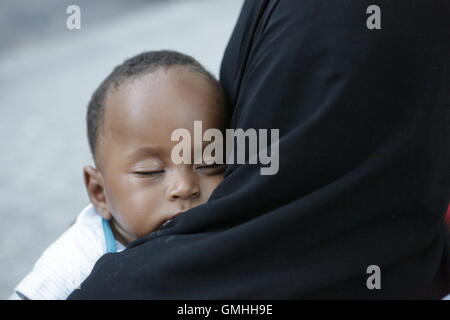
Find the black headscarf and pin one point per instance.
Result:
(364, 164)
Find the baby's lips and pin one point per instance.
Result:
(168, 220)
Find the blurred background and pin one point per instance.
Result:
(47, 74)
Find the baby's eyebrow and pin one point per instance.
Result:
(144, 152)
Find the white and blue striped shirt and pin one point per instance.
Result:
(69, 260)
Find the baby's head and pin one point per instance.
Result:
(130, 119)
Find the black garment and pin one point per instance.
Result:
(364, 164)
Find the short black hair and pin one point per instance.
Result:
(132, 68)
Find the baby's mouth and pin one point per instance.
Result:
(170, 219)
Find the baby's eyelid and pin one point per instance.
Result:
(148, 172)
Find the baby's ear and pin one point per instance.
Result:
(93, 181)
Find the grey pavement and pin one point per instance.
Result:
(46, 79)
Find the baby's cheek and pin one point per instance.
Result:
(144, 217)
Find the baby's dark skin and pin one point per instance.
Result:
(135, 184)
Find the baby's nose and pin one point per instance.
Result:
(184, 189)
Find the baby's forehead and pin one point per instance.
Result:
(150, 108)
(162, 98)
